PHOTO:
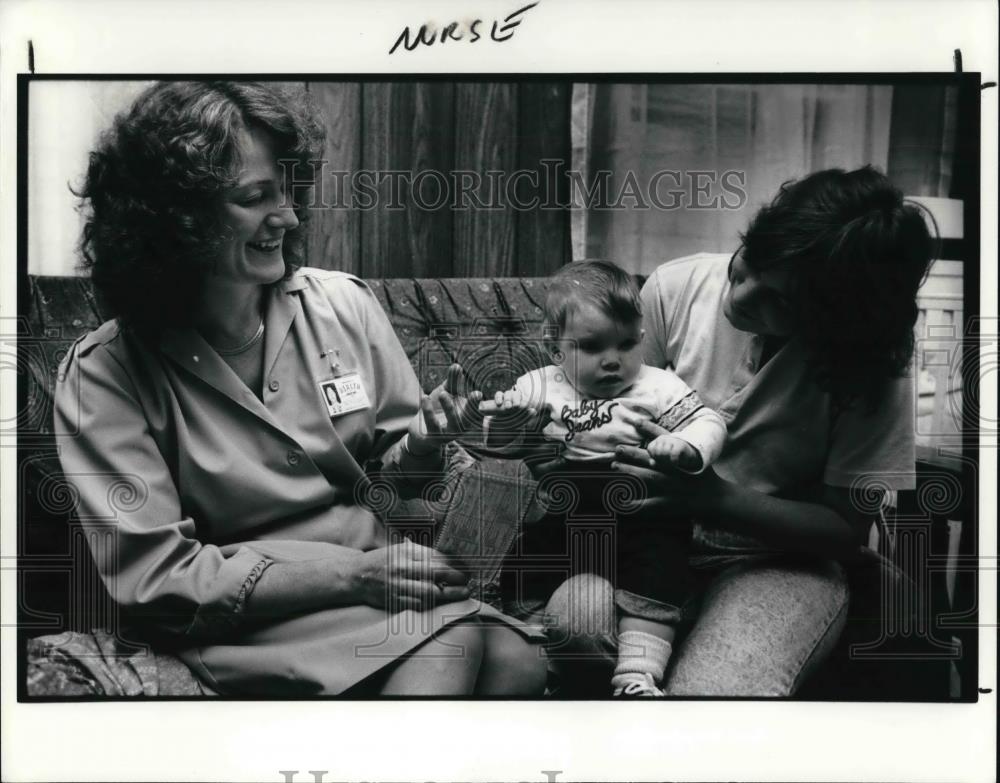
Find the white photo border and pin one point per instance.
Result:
(443, 741)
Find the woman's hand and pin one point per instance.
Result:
(515, 426)
(409, 576)
(683, 493)
(428, 433)
(824, 525)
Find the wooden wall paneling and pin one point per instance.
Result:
(429, 216)
(407, 127)
(486, 129)
(543, 233)
(384, 143)
(334, 229)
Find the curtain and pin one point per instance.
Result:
(472, 129)
(64, 121)
(687, 165)
(767, 134)
(922, 139)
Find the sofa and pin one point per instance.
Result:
(493, 327)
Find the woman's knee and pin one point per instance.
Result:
(446, 664)
(761, 631)
(463, 644)
(832, 602)
(512, 666)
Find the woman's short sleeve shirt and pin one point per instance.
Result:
(784, 431)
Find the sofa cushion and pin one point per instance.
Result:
(493, 327)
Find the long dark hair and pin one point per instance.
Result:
(858, 253)
(152, 191)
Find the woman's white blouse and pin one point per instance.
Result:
(784, 433)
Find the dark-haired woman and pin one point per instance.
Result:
(219, 428)
(802, 340)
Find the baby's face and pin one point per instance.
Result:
(601, 356)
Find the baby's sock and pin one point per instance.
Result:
(640, 653)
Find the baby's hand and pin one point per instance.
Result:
(509, 415)
(676, 452)
(503, 402)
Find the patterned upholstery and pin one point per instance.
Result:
(493, 327)
(101, 664)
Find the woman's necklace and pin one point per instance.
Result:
(246, 346)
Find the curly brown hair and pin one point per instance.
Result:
(858, 254)
(154, 183)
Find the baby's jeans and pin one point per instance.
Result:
(591, 529)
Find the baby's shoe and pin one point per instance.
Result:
(635, 684)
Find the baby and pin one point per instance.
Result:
(591, 400)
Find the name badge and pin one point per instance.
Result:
(344, 394)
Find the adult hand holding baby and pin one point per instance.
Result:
(511, 404)
(664, 467)
(512, 419)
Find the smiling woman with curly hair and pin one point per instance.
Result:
(241, 400)
(154, 185)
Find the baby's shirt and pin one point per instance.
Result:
(591, 428)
